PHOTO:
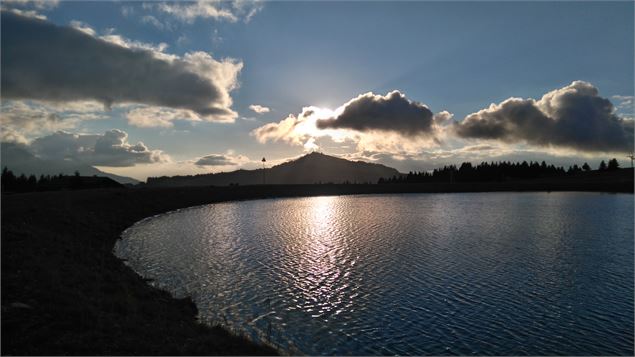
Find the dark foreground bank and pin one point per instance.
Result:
(64, 292)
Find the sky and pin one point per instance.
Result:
(161, 88)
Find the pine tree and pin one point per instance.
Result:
(613, 164)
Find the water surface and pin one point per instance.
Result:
(424, 274)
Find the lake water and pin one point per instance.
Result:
(424, 274)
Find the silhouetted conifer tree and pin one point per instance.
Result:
(613, 164)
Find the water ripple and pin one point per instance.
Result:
(424, 274)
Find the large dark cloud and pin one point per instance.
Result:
(574, 117)
(392, 112)
(47, 62)
(108, 149)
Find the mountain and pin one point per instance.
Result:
(308, 169)
(21, 161)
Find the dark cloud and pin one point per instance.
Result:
(214, 160)
(392, 112)
(108, 149)
(47, 62)
(574, 117)
(20, 159)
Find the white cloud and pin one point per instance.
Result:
(83, 27)
(108, 149)
(38, 4)
(189, 12)
(28, 13)
(625, 101)
(151, 20)
(259, 109)
(22, 120)
(127, 10)
(182, 40)
(29, 8)
(152, 117)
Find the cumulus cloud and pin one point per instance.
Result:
(259, 109)
(109, 149)
(371, 122)
(573, 117)
(293, 129)
(392, 112)
(36, 65)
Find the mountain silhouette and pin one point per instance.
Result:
(309, 169)
(21, 161)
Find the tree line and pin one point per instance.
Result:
(495, 171)
(22, 183)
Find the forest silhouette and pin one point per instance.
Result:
(496, 172)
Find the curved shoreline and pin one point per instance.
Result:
(64, 292)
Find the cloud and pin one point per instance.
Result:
(572, 117)
(202, 165)
(215, 160)
(83, 27)
(371, 122)
(157, 117)
(625, 101)
(29, 8)
(38, 4)
(293, 129)
(108, 149)
(23, 119)
(151, 20)
(36, 65)
(28, 13)
(127, 10)
(230, 11)
(259, 109)
(392, 112)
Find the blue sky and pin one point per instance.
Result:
(458, 57)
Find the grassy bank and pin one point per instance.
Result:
(64, 292)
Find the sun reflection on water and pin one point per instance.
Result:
(319, 275)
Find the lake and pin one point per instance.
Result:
(423, 274)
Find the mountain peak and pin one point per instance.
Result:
(314, 167)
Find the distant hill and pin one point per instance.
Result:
(21, 161)
(309, 169)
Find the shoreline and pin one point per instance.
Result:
(65, 292)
